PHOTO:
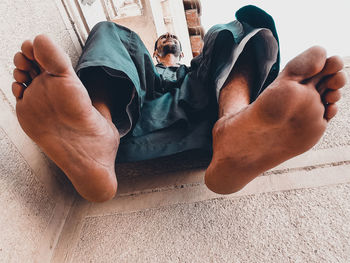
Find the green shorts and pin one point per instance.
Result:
(158, 115)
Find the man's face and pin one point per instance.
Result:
(168, 44)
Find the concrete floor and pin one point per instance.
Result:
(297, 212)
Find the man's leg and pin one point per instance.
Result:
(235, 94)
(56, 112)
(287, 119)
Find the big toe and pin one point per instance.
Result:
(50, 56)
(307, 64)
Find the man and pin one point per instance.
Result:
(168, 50)
(122, 100)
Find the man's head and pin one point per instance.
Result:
(167, 44)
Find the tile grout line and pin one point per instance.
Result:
(70, 232)
(69, 23)
(54, 229)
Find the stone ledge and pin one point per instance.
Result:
(173, 180)
(199, 192)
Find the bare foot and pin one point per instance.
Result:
(287, 119)
(54, 109)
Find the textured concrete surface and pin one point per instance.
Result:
(309, 225)
(25, 204)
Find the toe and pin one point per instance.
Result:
(21, 76)
(18, 90)
(331, 96)
(27, 49)
(332, 82)
(21, 62)
(28, 52)
(25, 64)
(50, 56)
(331, 111)
(307, 64)
(333, 65)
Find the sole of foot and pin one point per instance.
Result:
(287, 119)
(55, 111)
